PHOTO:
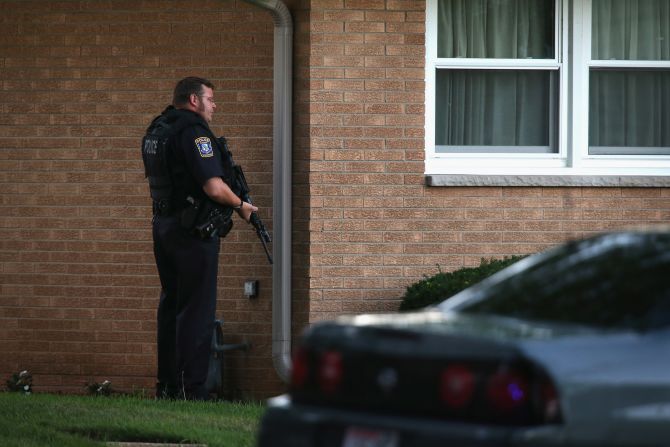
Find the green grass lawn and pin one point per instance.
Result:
(56, 420)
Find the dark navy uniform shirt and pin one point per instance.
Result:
(199, 154)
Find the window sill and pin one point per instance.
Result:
(603, 181)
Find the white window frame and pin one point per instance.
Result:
(572, 159)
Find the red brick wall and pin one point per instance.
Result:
(80, 82)
(366, 151)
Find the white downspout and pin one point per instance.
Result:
(281, 202)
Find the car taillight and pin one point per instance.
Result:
(507, 390)
(330, 371)
(503, 394)
(457, 385)
(299, 368)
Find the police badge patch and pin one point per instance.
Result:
(204, 146)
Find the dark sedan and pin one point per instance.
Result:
(570, 347)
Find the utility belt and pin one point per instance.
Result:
(164, 208)
(206, 219)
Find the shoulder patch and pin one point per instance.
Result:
(204, 145)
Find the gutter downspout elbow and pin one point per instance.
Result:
(281, 202)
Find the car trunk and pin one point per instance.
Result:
(424, 366)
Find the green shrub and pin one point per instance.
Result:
(437, 288)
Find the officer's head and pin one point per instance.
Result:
(196, 94)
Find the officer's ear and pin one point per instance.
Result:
(193, 99)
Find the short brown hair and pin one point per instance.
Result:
(187, 87)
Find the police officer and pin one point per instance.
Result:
(186, 168)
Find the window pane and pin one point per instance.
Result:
(631, 30)
(629, 112)
(510, 29)
(496, 111)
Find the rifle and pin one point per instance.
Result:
(240, 184)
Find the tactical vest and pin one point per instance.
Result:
(159, 166)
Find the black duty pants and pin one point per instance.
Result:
(187, 267)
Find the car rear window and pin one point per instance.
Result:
(617, 282)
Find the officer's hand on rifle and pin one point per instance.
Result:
(245, 209)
